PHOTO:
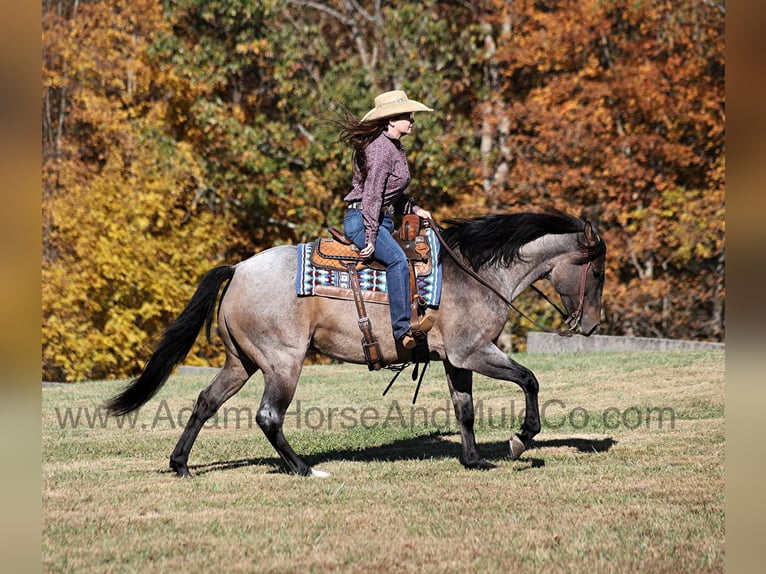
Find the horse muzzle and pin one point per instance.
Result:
(576, 322)
(590, 330)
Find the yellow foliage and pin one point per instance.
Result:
(176, 132)
(125, 241)
(117, 272)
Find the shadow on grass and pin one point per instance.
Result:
(434, 445)
(586, 445)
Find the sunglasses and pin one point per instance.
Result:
(409, 117)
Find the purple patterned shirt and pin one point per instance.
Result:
(388, 175)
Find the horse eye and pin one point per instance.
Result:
(598, 273)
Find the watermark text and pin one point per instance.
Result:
(554, 414)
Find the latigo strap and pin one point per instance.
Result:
(370, 345)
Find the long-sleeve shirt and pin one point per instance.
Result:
(388, 175)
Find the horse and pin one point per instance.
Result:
(265, 326)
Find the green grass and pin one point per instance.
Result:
(608, 487)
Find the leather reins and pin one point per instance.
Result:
(571, 320)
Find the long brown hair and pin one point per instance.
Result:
(358, 135)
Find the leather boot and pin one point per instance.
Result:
(409, 340)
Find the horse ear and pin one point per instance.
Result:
(590, 235)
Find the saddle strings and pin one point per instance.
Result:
(400, 368)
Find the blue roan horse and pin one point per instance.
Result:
(265, 326)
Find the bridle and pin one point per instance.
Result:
(571, 321)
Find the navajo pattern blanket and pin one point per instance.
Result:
(313, 281)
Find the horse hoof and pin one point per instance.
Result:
(182, 471)
(319, 473)
(517, 447)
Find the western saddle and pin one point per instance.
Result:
(338, 253)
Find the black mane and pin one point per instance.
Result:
(497, 238)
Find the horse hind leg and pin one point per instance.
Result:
(225, 385)
(277, 395)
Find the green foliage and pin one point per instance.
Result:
(177, 134)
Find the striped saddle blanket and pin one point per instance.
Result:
(322, 272)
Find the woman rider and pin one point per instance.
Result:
(380, 176)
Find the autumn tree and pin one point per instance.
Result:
(180, 134)
(616, 111)
(128, 227)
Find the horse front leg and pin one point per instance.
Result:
(522, 440)
(492, 362)
(460, 383)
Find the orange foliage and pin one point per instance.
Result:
(126, 237)
(180, 134)
(616, 111)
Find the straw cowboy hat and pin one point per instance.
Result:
(393, 103)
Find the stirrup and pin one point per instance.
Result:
(410, 338)
(427, 323)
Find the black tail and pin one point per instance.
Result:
(175, 343)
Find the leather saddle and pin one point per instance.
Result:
(337, 252)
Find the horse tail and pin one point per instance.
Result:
(175, 343)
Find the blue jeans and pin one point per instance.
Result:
(388, 252)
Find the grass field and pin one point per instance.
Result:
(627, 475)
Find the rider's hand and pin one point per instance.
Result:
(368, 250)
(423, 213)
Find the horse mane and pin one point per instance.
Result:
(497, 238)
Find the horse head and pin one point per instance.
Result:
(579, 280)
